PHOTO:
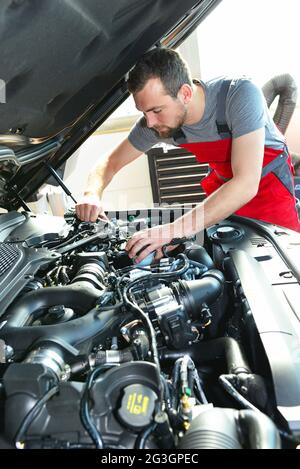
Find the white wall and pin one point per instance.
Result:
(258, 38)
(130, 188)
(293, 131)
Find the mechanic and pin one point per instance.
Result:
(223, 122)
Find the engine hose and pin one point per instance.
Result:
(199, 387)
(259, 430)
(220, 428)
(285, 86)
(85, 415)
(30, 416)
(142, 438)
(31, 306)
(150, 328)
(92, 327)
(225, 381)
(225, 347)
(167, 394)
(175, 379)
(196, 293)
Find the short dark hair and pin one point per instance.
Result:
(166, 64)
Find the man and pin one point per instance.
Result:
(223, 122)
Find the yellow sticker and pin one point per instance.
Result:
(138, 404)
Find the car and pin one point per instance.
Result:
(199, 350)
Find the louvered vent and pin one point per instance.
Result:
(9, 253)
(175, 176)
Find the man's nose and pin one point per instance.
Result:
(151, 120)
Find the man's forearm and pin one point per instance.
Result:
(219, 205)
(99, 178)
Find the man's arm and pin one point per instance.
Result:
(90, 207)
(246, 161)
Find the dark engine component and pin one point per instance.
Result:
(98, 352)
(19, 264)
(124, 400)
(181, 309)
(57, 312)
(230, 429)
(91, 269)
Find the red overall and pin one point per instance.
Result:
(275, 201)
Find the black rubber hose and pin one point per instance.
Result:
(199, 254)
(212, 429)
(79, 297)
(92, 327)
(142, 438)
(231, 429)
(206, 290)
(259, 430)
(85, 414)
(31, 415)
(211, 350)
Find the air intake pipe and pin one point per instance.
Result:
(231, 429)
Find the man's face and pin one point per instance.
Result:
(163, 113)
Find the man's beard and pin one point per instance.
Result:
(168, 132)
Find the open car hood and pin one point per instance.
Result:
(64, 67)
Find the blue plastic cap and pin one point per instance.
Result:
(147, 261)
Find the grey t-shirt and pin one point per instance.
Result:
(246, 111)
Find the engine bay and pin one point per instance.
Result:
(196, 350)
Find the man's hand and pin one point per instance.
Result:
(89, 208)
(148, 241)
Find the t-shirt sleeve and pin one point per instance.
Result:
(141, 137)
(246, 108)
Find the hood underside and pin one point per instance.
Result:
(58, 58)
(63, 69)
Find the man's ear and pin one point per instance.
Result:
(185, 93)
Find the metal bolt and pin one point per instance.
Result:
(114, 343)
(66, 373)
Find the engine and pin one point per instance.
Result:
(99, 352)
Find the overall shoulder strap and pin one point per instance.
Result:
(223, 129)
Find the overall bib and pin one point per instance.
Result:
(275, 201)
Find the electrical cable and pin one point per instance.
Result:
(29, 418)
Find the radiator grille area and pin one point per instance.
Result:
(9, 253)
